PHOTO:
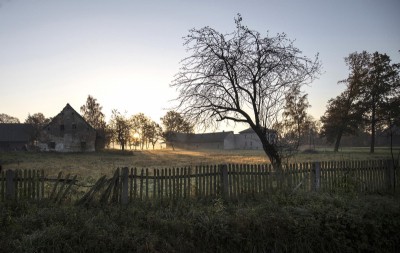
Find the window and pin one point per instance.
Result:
(62, 127)
(83, 144)
(52, 145)
(73, 126)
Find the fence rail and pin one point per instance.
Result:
(233, 180)
(34, 185)
(227, 181)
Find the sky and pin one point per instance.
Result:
(126, 53)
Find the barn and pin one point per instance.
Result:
(246, 139)
(67, 132)
(15, 137)
(218, 140)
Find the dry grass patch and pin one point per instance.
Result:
(94, 165)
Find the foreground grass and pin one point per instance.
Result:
(95, 165)
(279, 223)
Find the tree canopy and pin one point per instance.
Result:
(241, 77)
(5, 118)
(372, 90)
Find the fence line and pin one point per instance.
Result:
(226, 180)
(235, 180)
(33, 185)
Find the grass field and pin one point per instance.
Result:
(97, 164)
(277, 222)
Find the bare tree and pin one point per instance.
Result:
(120, 126)
(139, 122)
(241, 77)
(152, 132)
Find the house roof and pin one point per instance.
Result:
(68, 107)
(200, 138)
(16, 132)
(251, 131)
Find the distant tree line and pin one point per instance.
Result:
(370, 104)
(134, 132)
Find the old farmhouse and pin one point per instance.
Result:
(246, 139)
(67, 132)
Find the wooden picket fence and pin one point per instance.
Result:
(233, 180)
(34, 185)
(227, 181)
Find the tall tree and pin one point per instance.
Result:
(139, 123)
(120, 126)
(340, 118)
(380, 83)
(173, 123)
(391, 121)
(295, 114)
(241, 77)
(92, 113)
(343, 115)
(153, 132)
(5, 118)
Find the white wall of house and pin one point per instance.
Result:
(247, 141)
(229, 141)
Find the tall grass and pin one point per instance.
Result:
(280, 223)
(94, 165)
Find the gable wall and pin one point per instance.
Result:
(68, 132)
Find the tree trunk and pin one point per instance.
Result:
(373, 125)
(270, 150)
(337, 143)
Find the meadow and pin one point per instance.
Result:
(282, 221)
(94, 165)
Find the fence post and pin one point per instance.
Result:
(10, 184)
(316, 176)
(224, 180)
(390, 176)
(124, 195)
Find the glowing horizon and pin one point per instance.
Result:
(125, 54)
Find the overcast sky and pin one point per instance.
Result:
(126, 53)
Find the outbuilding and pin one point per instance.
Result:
(15, 136)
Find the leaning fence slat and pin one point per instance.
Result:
(55, 185)
(64, 194)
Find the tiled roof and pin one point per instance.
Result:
(250, 131)
(16, 132)
(200, 138)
